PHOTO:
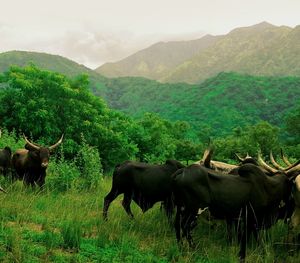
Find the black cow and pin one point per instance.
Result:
(144, 183)
(5, 160)
(30, 164)
(251, 195)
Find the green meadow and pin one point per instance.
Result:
(52, 226)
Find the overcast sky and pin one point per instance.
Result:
(92, 32)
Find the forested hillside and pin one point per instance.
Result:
(220, 103)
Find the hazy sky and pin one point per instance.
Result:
(92, 32)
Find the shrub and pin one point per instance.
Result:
(89, 164)
(62, 175)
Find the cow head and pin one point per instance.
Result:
(39, 153)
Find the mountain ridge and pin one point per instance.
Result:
(257, 50)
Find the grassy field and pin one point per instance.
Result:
(68, 227)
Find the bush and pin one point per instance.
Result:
(62, 175)
(89, 163)
(83, 172)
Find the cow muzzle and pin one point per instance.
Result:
(44, 164)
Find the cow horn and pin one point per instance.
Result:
(293, 172)
(207, 157)
(30, 143)
(239, 157)
(276, 165)
(263, 164)
(56, 144)
(284, 158)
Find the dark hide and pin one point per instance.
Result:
(251, 196)
(144, 183)
(5, 160)
(30, 164)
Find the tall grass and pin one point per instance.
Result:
(52, 226)
(63, 223)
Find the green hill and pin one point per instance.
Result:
(222, 102)
(53, 63)
(262, 49)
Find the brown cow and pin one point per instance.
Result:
(30, 164)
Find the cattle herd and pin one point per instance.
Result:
(250, 196)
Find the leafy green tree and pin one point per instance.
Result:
(265, 136)
(187, 151)
(44, 105)
(259, 137)
(157, 142)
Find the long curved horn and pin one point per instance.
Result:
(276, 165)
(239, 157)
(56, 144)
(293, 172)
(264, 165)
(207, 157)
(30, 143)
(284, 158)
(223, 167)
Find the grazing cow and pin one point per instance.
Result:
(30, 164)
(144, 183)
(251, 196)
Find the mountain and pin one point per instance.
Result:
(221, 103)
(262, 50)
(158, 60)
(54, 63)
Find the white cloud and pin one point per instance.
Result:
(92, 32)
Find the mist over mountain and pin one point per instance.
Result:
(262, 49)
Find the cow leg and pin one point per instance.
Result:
(244, 235)
(243, 241)
(169, 207)
(111, 196)
(27, 180)
(189, 222)
(229, 225)
(126, 204)
(41, 181)
(178, 224)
